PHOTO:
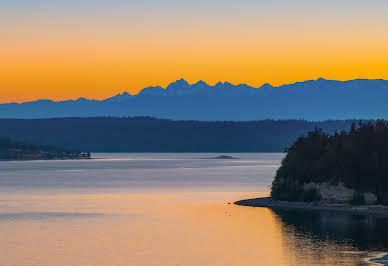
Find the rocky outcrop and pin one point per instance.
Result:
(338, 193)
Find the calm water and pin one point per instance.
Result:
(167, 209)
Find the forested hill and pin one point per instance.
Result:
(357, 158)
(144, 134)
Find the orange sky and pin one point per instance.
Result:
(75, 51)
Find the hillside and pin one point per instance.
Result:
(319, 99)
(144, 134)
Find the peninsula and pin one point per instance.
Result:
(346, 171)
(14, 150)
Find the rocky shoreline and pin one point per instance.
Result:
(383, 260)
(378, 210)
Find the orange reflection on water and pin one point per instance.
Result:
(153, 228)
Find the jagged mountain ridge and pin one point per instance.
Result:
(319, 99)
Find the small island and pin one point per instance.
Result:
(16, 150)
(346, 171)
(225, 157)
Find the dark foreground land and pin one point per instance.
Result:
(379, 210)
(357, 158)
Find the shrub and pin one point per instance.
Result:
(383, 198)
(358, 199)
(290, 191)
(310, 195)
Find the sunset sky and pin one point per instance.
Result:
(69, 49)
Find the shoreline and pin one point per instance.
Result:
(376, 210)
(40, 159)
(382, 259)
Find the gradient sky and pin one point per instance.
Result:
(95, 49)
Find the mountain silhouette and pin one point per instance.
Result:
(319, 99)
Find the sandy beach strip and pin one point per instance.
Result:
(378, 210)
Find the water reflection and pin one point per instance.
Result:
(45, 215)
(332, 237)
(166, 209)
(175, 228)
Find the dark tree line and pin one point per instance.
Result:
(146, 134)
(357, 157)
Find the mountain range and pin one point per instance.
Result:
(319, 99)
